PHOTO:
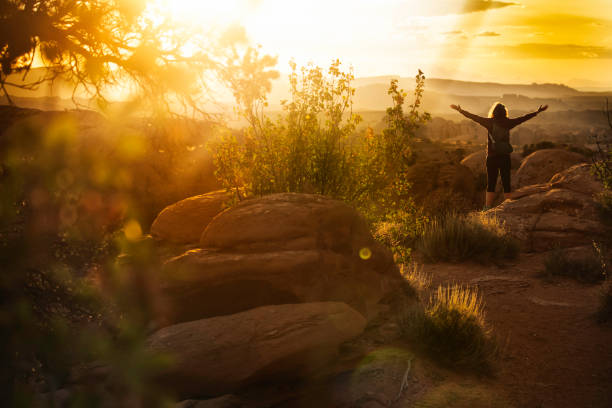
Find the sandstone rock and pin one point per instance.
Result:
(184, 221)
(560, 213)
(541, 165)
(225, 401)
(285, 248)
(427, 177)
(288, 221)
(203, 283)
(220, 355)
(578, 178)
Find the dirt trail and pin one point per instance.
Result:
(556, 354)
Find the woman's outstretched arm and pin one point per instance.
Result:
(517, 121)
(478, 119)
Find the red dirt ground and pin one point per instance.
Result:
(556, 355)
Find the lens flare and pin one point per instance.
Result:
(365, 253)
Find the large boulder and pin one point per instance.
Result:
(541, 165)
(183, 222)
(285, 248)
(220, 355)
(560, 213)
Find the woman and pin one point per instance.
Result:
(498, 126)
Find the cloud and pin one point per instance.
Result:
(472, 6)
(454, 32)
(450, 7)
(556, 51)
(488, 34)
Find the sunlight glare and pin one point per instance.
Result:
(207, 12)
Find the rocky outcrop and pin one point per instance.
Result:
(561, 212)
(427, 177)
(541, 165)
(284, 248)
(220, 355)
(184, 222)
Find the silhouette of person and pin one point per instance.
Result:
(498, 163)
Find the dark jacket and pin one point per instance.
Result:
(487, 123)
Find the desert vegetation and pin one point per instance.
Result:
(457, 237)
(451, 328)
(154, 251)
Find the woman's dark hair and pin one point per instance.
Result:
(498, 111)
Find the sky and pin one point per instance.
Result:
(522, 41)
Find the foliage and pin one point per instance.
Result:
(451, 328)
(456, 237)
(530, 148)
(399, 231)
(312, 147)
(68, 309)
(98, 44)
(588, 268)
(545, 144)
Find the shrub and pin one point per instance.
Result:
(313, 146)
(528, 149)
(589, 268)
(451, 329)
(399, 231)
(455, 237)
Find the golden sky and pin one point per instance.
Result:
(561, 41)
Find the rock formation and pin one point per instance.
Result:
(283, 248)
(183, 222)
(222, 354)
(561, 212)
(541, 165)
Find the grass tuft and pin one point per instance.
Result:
(456, 237)
(416, 277)
(451, 329)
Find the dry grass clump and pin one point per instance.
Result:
(456, 237)
(414, 275)
(451, 329)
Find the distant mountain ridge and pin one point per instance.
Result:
(371, 94)
(470, 88)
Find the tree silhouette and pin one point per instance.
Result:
(98, 44)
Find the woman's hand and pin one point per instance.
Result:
(542, 108)
(456, 107)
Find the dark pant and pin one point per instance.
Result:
(498, 164)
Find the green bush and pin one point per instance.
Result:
(451, 329)
(399, 231)
(456, 237)
(313, 146)
(589, 268)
